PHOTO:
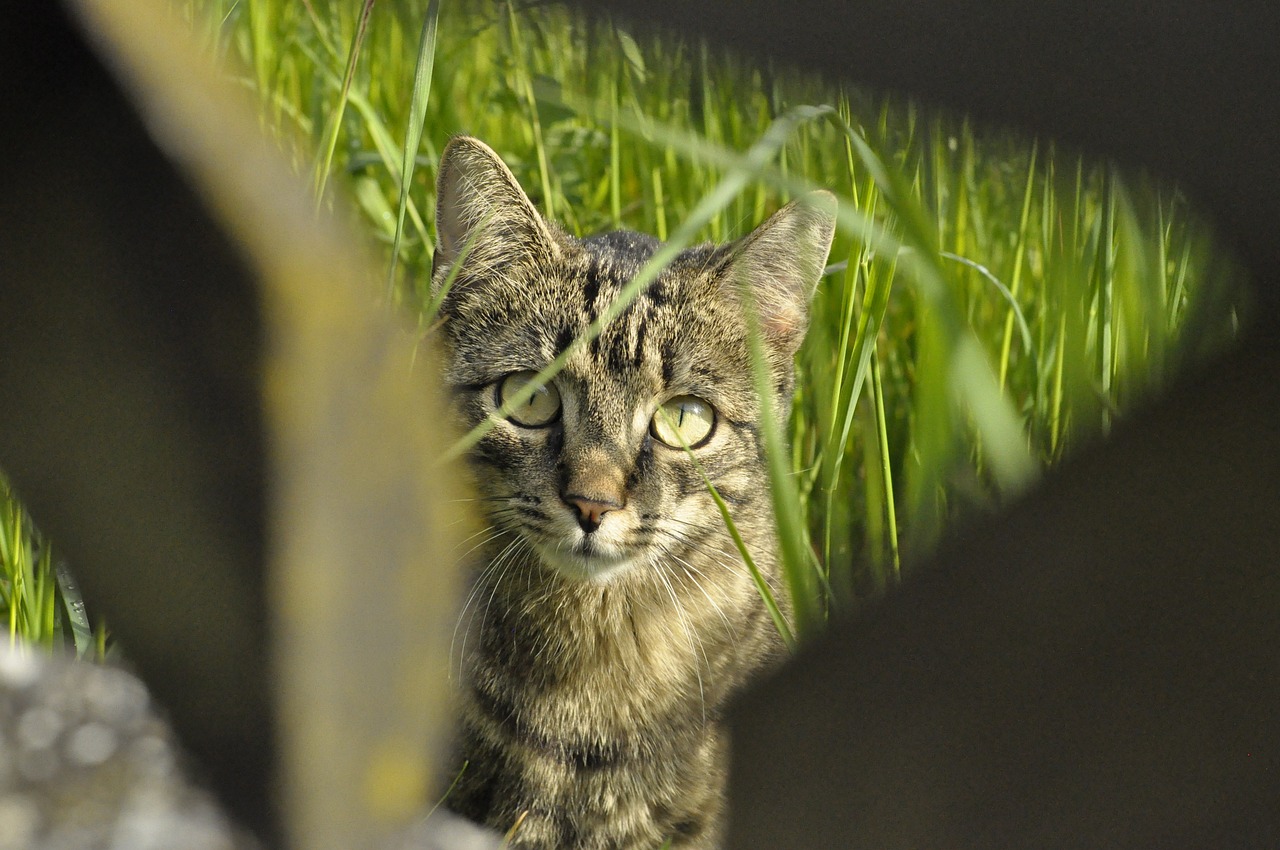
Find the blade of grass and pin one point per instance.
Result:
(524, 85)
(1018, 256)
(382, 140)
(799, 567)
(418, 101)
(766, 593)
(720, 196)
(73, 608)
(330, 142)
(1015, 312)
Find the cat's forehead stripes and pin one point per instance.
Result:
(610, 263)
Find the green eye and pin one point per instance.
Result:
(539, 410)
(683, 421)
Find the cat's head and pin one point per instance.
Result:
(592, 473)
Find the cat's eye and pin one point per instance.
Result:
(685, 420)
(539, 410)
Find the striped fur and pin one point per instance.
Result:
(598, 662)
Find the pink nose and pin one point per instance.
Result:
(590, 511)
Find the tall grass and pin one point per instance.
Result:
(39, 599)
(992, 301)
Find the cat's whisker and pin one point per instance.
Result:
(729, 627)
(493, 566)
(695, 643)
(496, 572)
(463, 622)
(730, 559)
(490, 513)
(731, 563)
(513, 554)
(488, 529)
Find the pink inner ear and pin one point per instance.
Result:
(782, 322)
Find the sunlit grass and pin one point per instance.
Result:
(39, 600)
(992, 300)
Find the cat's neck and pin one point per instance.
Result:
(639, 627)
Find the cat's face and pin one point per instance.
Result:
(597, 472)
(592, 469)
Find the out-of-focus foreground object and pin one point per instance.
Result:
(206, 408)
(86, 762)
(1098, 668)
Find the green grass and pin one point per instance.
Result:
(40, 602)
(993, 301)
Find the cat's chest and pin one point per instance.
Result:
(613, 667)
(640, 649)
(622, 707)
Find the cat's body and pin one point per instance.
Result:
(614, 615)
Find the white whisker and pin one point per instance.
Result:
(695, 643)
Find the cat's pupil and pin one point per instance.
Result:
(683, 421)
(539, 410)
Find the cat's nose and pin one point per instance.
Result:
(590, 511)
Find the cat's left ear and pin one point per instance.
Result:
(781, 262)
(482, 213)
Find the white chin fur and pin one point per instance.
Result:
(584, 567)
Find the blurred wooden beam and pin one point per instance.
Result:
(130, 360)
(208, 410)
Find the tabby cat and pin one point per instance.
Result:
(614, 615)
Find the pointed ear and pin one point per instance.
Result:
(781, 262)
(478, 201)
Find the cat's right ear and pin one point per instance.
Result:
(482, 213)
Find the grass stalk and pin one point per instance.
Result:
(762, 586)
(324, 162)
(418, 101)
(1001, 303)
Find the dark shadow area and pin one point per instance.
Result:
(129, 370)
(1096, 668)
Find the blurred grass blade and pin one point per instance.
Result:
(871, 315)
(721, 195)
(766, 593)
(1003, 438)
(799, 567)
(1015, 312)
(413, 133)
(74, 610)
(325, 161)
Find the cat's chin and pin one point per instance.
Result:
(596, 567)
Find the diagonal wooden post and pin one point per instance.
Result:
(208, 388)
